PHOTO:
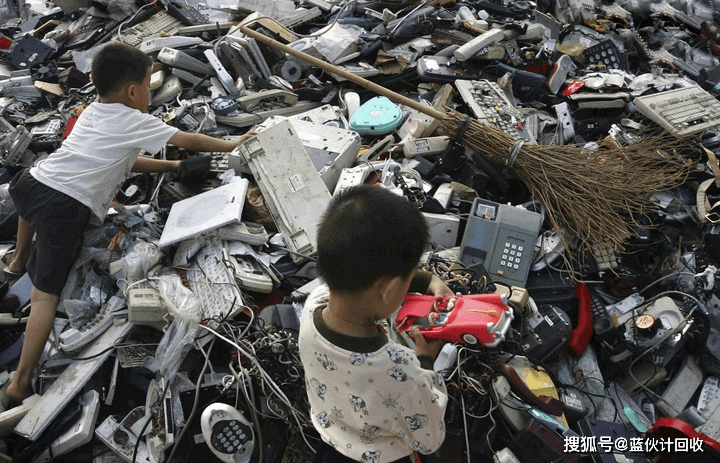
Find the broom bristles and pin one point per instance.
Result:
(589, 196)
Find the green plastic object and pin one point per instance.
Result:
(378, 116)
(634, 420)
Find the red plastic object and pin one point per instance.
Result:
(545, 403)
(674, 428)
(5, 43)
(573, 87)
(69, 126)
(581, 334)
(472, 319)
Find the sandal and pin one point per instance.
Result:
(7, 258)
(5, 401)
(10, 273)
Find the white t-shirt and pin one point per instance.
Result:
(97, 156)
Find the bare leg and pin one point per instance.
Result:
(37, 331)
(22, 246)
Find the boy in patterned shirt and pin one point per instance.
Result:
(371, 399)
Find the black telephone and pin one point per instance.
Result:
(186, 14)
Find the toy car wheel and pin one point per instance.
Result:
(469, 338)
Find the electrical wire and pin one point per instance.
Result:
(267, 377)
(666, 336)
(144, 428)
(319, 33)
(664, 278)
(120, 28)
(195, 403)
(101, 353)
(250, 400)
(467, 438)
(421, 5)
(492, 409)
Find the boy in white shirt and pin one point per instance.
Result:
(74, 186)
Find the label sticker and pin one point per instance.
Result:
(295, 183)
(573, 402)
(422, 145)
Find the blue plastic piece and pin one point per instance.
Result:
(378, 116)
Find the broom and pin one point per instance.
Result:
(591, 195)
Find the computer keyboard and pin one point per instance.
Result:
(490, 105)
(161, 23)
(213, 283)
(683, 111)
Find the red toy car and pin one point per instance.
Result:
(483, 318)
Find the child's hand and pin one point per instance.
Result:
(247, 135)
(194, 166)
(425, 347)
(439, 289)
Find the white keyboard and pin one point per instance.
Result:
(161, 23)
(213, 283)
(490, 105)
(683, 111)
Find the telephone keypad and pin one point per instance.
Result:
(511, 256)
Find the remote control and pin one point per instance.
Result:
(228, 434)
(603, 325)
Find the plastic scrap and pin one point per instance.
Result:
(619, 327)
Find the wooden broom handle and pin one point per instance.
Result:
(373, 87)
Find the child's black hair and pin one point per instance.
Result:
(117, 65)
(368, 232)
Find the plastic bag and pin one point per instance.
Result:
(88, 258)
(585, 373)
(96, 288)
(181, 302)
(173, 347)
(101, 237)
(94, 293)
(138, 262)
(83, 59)
(338, 42)
(80, 312)
(7, 206)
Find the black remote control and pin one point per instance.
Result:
(603, 324)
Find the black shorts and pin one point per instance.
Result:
(58, 222)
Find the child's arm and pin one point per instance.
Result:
(191, 142)
(147, 164)
(202, 142)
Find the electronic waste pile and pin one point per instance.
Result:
(182, 309)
